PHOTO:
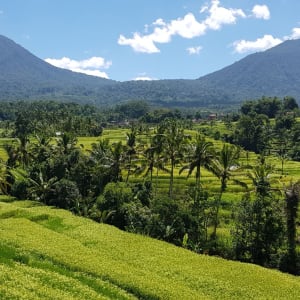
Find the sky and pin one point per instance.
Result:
(148, 39)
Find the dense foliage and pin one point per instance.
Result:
(98, 182)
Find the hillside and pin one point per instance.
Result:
(50, 254)
(275, 72)
(25, 76)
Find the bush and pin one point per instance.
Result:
(20, 189)
(115, 195)
(64, 194)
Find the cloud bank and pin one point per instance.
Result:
(92, 66)
(264, 43)
(261, 44)
(188, 27)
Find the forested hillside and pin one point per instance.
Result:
(274, 72)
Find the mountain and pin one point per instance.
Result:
(275, 72)
(25, 76)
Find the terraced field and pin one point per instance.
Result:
(47, 253)
(233, 193)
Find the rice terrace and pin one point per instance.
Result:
(177, 181)
(149, 150)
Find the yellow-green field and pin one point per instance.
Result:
(210, 182)
(233, 193)
(47, 253)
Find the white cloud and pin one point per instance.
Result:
(220, 15)
(161, 35)
(261, 44)
(159, 22)
(204, 8)
(194, 50)
(139, 43)
(261, 12)
(187, 27)
(89, 66)
(295, 33)
(143, 78)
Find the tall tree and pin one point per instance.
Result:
(174, 145)
(201, 154)
(253, 132)
(259, 228)
(223, 166)
(130, 149)
(292, 198)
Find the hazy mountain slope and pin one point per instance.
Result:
(67, 257)
(275, 72)
(23, 75)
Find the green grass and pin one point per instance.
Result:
(47, 253)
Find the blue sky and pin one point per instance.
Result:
(143, 39)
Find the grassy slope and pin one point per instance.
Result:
(48, 253)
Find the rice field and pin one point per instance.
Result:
(233, 193)
(47, 253)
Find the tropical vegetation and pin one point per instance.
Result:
(139, 177)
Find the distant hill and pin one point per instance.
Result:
(47, 253)
(25, 76)
(275, 72)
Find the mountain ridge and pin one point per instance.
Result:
(274, 72)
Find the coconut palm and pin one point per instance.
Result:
(101, 152)
(223, 166)
(130, 150)
(117, 159)
(153, 159)
(41, 187)
(202, 155)
(260, 177)
(5, 176)
(292, 199)
(174, 144)
(66, 143)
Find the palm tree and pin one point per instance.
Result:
(117, 158)
(5, 178)
(130, 149)
(153, 159)
(24, 153)
(67, 143)
(260, 177)
(292, 198)
(174, 142)
(41, 187)
(101, 152)
(202, 155)
(223, 166)
(41, 149)
(19, 154)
